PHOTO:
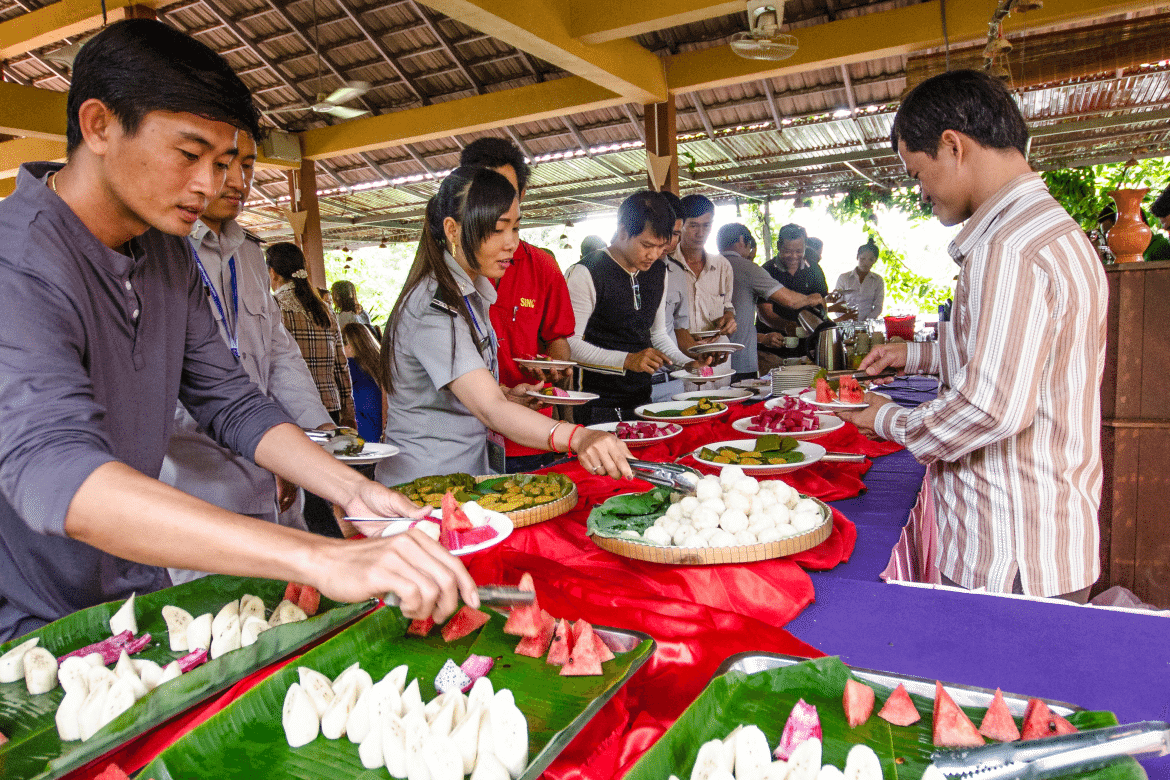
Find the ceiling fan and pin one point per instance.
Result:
(764, 41)
(331, 104)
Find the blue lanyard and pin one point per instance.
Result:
(483, 339)
(229, 328)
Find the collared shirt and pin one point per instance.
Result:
(709, 292)
(807, 280)
(678, 303)
(322, 350)
(1013, 439)
(197, 465)
(752, 285)
(95, 348)
(867, 296)
(433, 347)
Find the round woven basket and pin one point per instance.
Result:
(541, 512)
(705, 556)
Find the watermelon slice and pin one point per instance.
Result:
(899, 709)
(454, 517)
(858, 703)
(603, 652)
(825, 394)
(998, 723)
(1039, 721)
(112, 772)
(583, 659)
(420, 627)
(952, 727)
(309, 600)
(802, 725)
(476, 535)
(536, 646)
(463, 622)
(850, 392)
(524, 620)
(562, 644)
(292, 592)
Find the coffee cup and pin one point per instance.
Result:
(791, 342)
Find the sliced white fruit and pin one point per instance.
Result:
(386, 698)
(504, 695)
(357, 725)
(416, 736)
(228, 638)
(178, 620)
(397, 677)
(124, 668)
(370, 749)
(394, 745)
(40, 671)
(752, 754)
(251, 630)
(125, 619)
(98, 675)
(120, 698)
(170, 672)
(318, 688)
(89, 718)
(485, 744)
(444, 720)
(481, 693)
(199, 632)
(251, 606)
(73, 674)
(466, 736)
(337, 715)
(339, 681)
(862, 764)
(722, 774)
(805, 761)
(299, 717)
(777, 770)
(729, 742)
(94, 659)
(286, 612)
(710, 760)
(150, 673)
(829, 772)
(431, 708)
(510, 734)
(412, 699)
(442, 758)
(68, 725)
(459, 700)
(226, 612)
(12, 662)
(488, 767)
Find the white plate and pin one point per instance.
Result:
(371, 453)
(551, 364)
(717, 348)
(753, 384)
(687, 375)
(810, 397)
(667, 430)
(812, 453)
(381, 526)
(829, 423)
(646, 412)
(703, 334)
(576, 397)
(724, 395)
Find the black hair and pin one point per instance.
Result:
(360, 338)
(871, 247)
(646, 209)
(475, 198)
(968, 101)
(1161, 207)
(813, 243)
(790, 232)
(288, 261)
(493, 152)
(730, 234)
(675, 202)
(591, 244)
(344, 295)
(695, 206)
(136, 66)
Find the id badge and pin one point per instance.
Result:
(496, 453)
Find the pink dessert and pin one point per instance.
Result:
(791, 416)
(640, 431)
(555, 392)
(706, 371)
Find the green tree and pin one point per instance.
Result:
(378, 275)
(1084, 191)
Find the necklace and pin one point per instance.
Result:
(53, 184)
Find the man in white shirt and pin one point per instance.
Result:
(709, 276)
(862, 288)
(618, 295)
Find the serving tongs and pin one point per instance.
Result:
(679, 478)
(489, 595)
(861, 375)
(1053, 756)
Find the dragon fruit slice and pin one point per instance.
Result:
(803, 724)
(192, 659)
(474, 667)
(110, 649)
(452, 678)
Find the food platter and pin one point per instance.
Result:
(571, 397)
(372, 452)
(652, 412)
(474, 488)
(548, 364)
(669, 431)
(724, 395)
(703, 334)
(718, 348)
(247, 737)
(378, 526)
(811, 452)
(698, 379)
(810, 397)
(829, 423)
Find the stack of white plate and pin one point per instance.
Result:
(792, 378)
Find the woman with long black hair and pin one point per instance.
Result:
(439, 365)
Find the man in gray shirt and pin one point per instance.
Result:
(104, 324)
(236, 279)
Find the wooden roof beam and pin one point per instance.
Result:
(62, 19)
(599, 21)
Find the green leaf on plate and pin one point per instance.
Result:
(36, 752)
(246, 740)
(766, 698)
(628, 512)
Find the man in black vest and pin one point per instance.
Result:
(621, 336)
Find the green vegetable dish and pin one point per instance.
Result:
(500, 494)
(770, 450)
(703, 407)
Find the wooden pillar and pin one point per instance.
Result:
(140, 12)
(311, 243)
(662, 139)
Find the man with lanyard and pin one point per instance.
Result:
(105, 325)
(619, 304)
(236, 279)
(532, 313)
(678, 307)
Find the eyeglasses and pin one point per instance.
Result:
(637, 292)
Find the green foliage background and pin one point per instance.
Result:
(1084, 192)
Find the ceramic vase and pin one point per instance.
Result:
(1130, 236)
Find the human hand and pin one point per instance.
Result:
(519, 395)
(814, 300)
(647, 361)
(726, 324)
(773, 340)
(698, 363)
(881, 357)
(599, 452)
(865, 418)
(286, 493)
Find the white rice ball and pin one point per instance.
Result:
(657, 535)
(780, 514)
(764, 499)
(745, 537)
(758, 528)
(734, 500)
(729, 475)
(674, 512)
(807, 505)
(716, 505)
(805, 521)
(708, 488)
(707, 533)
(695, 541)
(722, 539)
(682, 533)
(748, 486)
(786, 530)
(667, 524)
(688, 505)
(772, 534)
(705, 518)
(733, 521)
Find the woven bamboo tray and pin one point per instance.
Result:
(541, 512)
(705, 556)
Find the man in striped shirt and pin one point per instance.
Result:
(1013, 439)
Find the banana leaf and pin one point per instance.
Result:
(36, 751)
(246, 739)
(628, 512)
(766, 698)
